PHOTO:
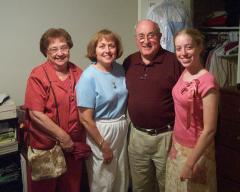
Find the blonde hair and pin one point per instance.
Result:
(108, 35)
(195, 34)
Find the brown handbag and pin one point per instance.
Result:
(46, 164)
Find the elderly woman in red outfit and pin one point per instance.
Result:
(51, 88)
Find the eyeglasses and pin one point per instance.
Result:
(150, 36)
(63, 49)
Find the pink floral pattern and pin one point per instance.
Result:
(203, 181)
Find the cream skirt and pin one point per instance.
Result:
(203, 181)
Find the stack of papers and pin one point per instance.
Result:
(8, 147)
(3, 98)
(8, 137)
(8, 110)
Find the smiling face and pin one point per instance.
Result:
(187, 50)
(106, 52)
(148, 39)
(58, 52)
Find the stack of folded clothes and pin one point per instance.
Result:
(217, 18)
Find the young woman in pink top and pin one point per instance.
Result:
(191, 162)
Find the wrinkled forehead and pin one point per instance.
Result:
(57, 39)
(146, 27)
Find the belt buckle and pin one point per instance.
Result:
(152, 132)
(169, 126)
(155, 132)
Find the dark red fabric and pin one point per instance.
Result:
(216, 21)
(230, 45)
(81, 150)
(150, 103)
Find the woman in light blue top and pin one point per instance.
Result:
(101, 98)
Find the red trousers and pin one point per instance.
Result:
(68, 182)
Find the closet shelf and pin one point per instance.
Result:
(220, 28)
(229, 56)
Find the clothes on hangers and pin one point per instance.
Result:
(231, 48)
(223, 66)
(171, 16)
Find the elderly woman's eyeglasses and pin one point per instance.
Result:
(63, 49)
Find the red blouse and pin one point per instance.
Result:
(39, 97)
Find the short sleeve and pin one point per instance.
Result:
(36, 93)
(85, 91)
(209, 82)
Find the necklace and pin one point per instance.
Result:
(114, 84)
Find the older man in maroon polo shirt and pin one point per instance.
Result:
(150, 76)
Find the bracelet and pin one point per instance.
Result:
(101, 143)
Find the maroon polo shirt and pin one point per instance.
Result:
(150, 103)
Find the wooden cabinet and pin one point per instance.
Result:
(228, 141)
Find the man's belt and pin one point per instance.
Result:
(155, 131)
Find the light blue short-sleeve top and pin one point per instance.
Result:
(105, 92)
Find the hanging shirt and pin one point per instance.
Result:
(171, 17)
(224, 68)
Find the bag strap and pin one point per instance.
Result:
(54, 96)
(27, 124)
(55, 101)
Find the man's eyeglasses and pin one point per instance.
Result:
(150, 36)
(54, 50)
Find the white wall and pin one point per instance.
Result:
(22, 23)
